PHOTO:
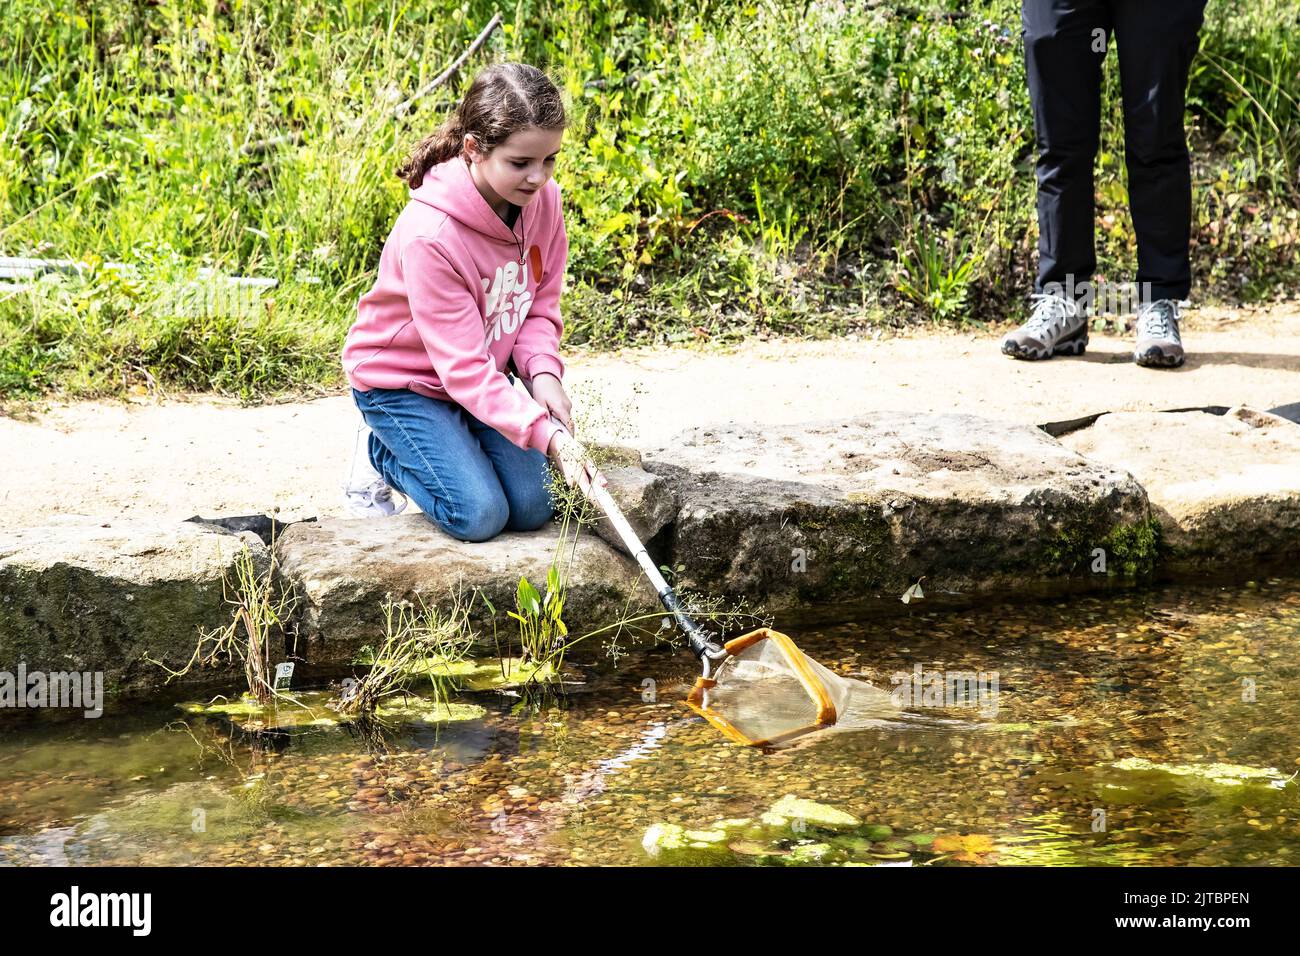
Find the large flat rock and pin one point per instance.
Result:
(1225, 488)
(854, 509)
(79, 596)
(646, 500)
(343, 571)
(801, 515)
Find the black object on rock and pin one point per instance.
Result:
(264, 526)
(1290, 411)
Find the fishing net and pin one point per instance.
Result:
(767, 692)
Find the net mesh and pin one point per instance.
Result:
(768, 691)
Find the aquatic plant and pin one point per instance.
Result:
(421, 640)
(544, 635)
(261, 611)
(310, 711)
(542, 631)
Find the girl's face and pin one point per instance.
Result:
(517, 169)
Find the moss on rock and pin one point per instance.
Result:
(790, 808)
(1134, 549)
(1131, 549)
(852, 551)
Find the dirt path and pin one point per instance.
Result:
(213, 457)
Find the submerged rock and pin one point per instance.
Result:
(790, 808)
(664, 836)
(705, 836)
(809, 852)
(794, 832)
(1218, 774)
(845, 510)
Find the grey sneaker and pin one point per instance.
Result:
(376, 500)
(365, 493)
(1057, 326)
(1158, 342)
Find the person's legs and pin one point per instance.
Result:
(524, 476)
(1064, 49)
(1065, 44)
(423, 447)
(1156, 40)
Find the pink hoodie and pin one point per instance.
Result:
(452, 304)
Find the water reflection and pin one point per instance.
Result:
(1103, 704)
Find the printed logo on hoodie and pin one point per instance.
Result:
(508, 297)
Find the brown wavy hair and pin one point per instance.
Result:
(503, 99)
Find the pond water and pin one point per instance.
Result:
(1158, 727)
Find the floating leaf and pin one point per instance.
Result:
(969, 848)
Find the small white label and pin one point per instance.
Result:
(283, 674)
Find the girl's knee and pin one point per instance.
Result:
(532, 512)
(478, 519)
(532, 517)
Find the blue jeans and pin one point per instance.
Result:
(466, 477)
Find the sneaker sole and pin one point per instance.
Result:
(1015, 350)
(1154, 358)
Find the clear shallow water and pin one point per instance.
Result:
(1114, 704)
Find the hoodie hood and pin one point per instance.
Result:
(449, 187)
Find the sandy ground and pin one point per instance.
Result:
(180, 457)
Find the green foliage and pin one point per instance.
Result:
(260, 613)
(1134, 549)
(421, 640)
(1130, 550)
(732, 169)
(542, 631)
(935, 276)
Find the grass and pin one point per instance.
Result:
(733, 170)
(421, 640)
(254, 636)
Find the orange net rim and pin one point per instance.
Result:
(826, 715)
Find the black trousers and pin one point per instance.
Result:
(1065, 44)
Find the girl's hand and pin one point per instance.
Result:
(574, 464)
(549, 393)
